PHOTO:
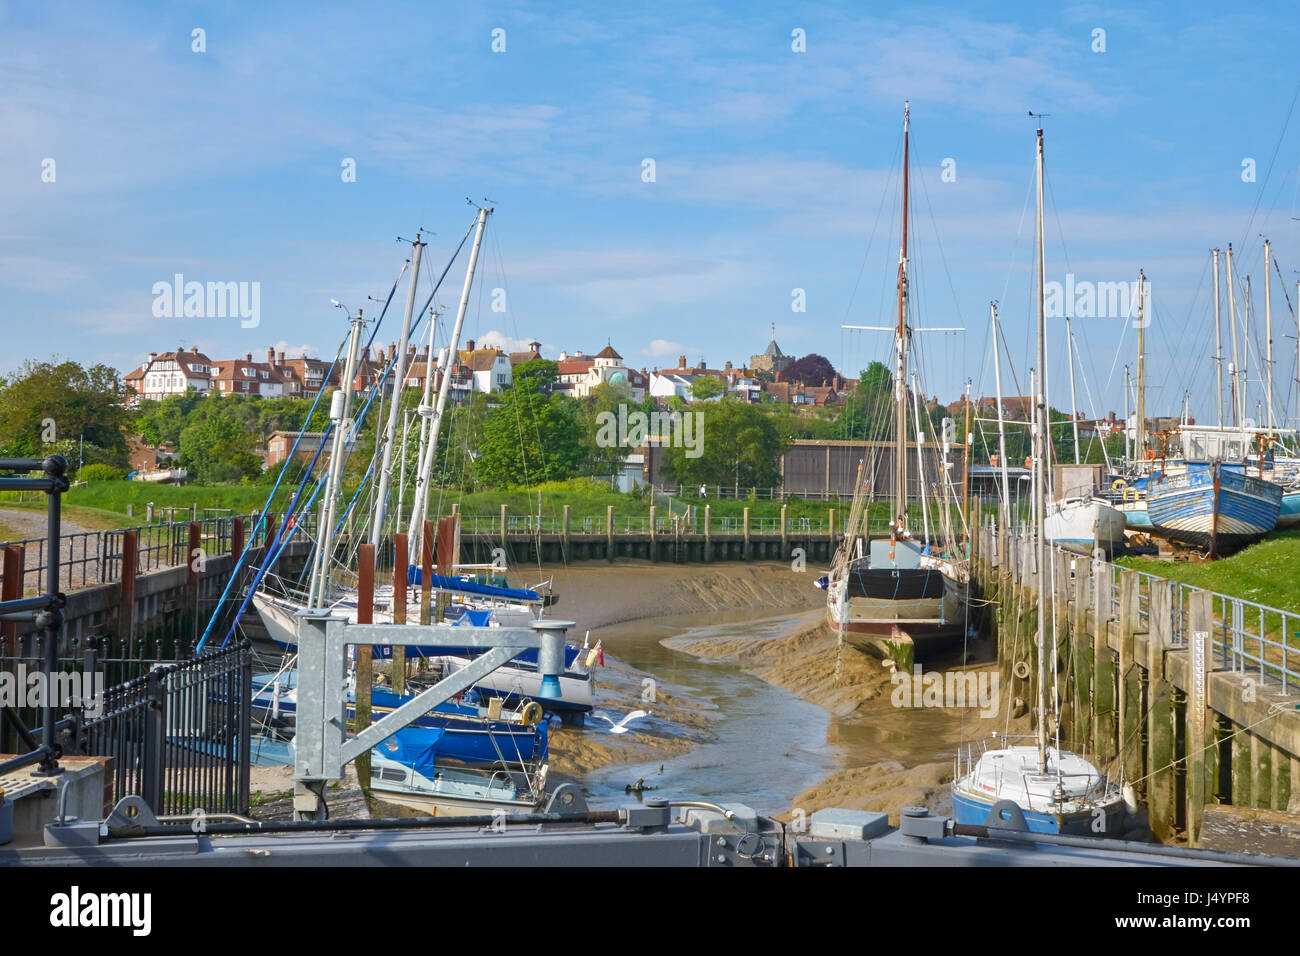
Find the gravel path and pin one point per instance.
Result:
(31, 524)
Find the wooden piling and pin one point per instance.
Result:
(1199, 717)
(654, 550)
(195, 561)
(609, 532)
(426, 572)
(11, 589)
(708, 533)
(401, 564)
(564, 537)
(746, 550)
(445, 554)
(365, 662)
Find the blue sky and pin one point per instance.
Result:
(775, 170)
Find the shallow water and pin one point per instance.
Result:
(770, 743)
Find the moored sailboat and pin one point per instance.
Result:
(900, 597)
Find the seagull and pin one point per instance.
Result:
(621, 726)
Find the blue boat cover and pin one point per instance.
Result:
(462, 586)
(474, 617)
(416, 747)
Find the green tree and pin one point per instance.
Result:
(739, 445)
(217, 449)
(44, 402)
(706, 387)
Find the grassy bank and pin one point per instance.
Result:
(113, 497)
(92, 519)
(106, 502)
(1265, 573)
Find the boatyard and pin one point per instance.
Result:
(552, 436)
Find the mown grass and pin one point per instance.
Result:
(92, 519)
(1266, 573)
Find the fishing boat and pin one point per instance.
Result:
(1083, 523)
(1214, 507)
(1056, 791)
(903, 596)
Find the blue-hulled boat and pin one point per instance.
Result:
(1069, 797)
(1215, 507)
(469, 734)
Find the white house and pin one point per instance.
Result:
(171, 373)
(490, 368)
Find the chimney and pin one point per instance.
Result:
(470, 345)
(410, 350)
(281, 361)
(248, 357)
(194, 349)
(270, 355)
(681, 361)
(727, 366)
(152, 356)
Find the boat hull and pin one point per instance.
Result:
(900, 613)
(1215, 509)
(971, 809)
(1083, 525)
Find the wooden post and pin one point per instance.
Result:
(609, 532)
(1161, 737)
(785, 541)
(830, 532)
(365, 660)
(445, 554)
(426, 573)
(1130, 735)
(126, 593)
(11, 589)
(400, 566)
(236, 539)
(195, 563)
(565, 534)
(745, 550)
(708, 533)
(503, 525)
(654, 551)
(1199, 718)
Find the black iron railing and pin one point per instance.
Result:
(178, 733)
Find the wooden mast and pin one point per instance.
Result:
(900, 353)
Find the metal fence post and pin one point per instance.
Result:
(155, 741)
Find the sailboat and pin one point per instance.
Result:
(899, 596)
(1056, 791)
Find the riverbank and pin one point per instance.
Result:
(598, 597)
(908, 748)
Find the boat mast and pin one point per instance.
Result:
(1002, 428)
(1235, 368)
(1142, 381)
(1218, 339)
(1039, 484)
(920, 464)
(340, 410)
(1268, 333)
(395, 409)
(1128, 409)
(420, 504)
(900, 353)
(1074, 407)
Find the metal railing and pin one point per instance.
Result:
(88, 558)
(691, 523)
(1248, 638)
(178, 734)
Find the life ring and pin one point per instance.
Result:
(530, 713)
(1119, 484)
(1021, 670)
(1151, 454)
